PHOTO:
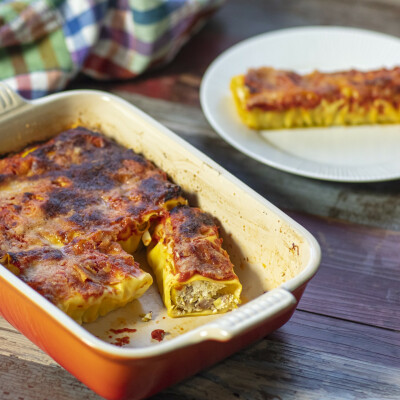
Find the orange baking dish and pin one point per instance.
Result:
(118, 356)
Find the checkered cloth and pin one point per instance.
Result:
(45, 43)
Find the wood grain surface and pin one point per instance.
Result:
(343, 342)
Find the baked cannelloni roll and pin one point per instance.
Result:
(267, 98)
(72, 212)
(194, 273)
(83, 281)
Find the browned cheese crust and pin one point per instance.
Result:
(279, 90)
(65, 204)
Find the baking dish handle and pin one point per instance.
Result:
(266, 307)
(9, 100)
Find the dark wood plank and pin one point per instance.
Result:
(341, 338)
(359, 278)
(274, 14)
(26, 373)
(27, 380)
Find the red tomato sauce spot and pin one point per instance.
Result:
(158, 334)
(123, 330)
(122, 341)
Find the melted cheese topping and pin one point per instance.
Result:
(271, 99)
(71, 210)
(193, 272)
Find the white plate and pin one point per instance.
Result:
(352, 154)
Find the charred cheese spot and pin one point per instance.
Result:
(64, 200)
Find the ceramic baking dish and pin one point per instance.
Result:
(274, 258)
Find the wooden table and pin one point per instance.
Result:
(343, 341)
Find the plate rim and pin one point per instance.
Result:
(272, 163)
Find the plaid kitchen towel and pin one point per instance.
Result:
(45, 43)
